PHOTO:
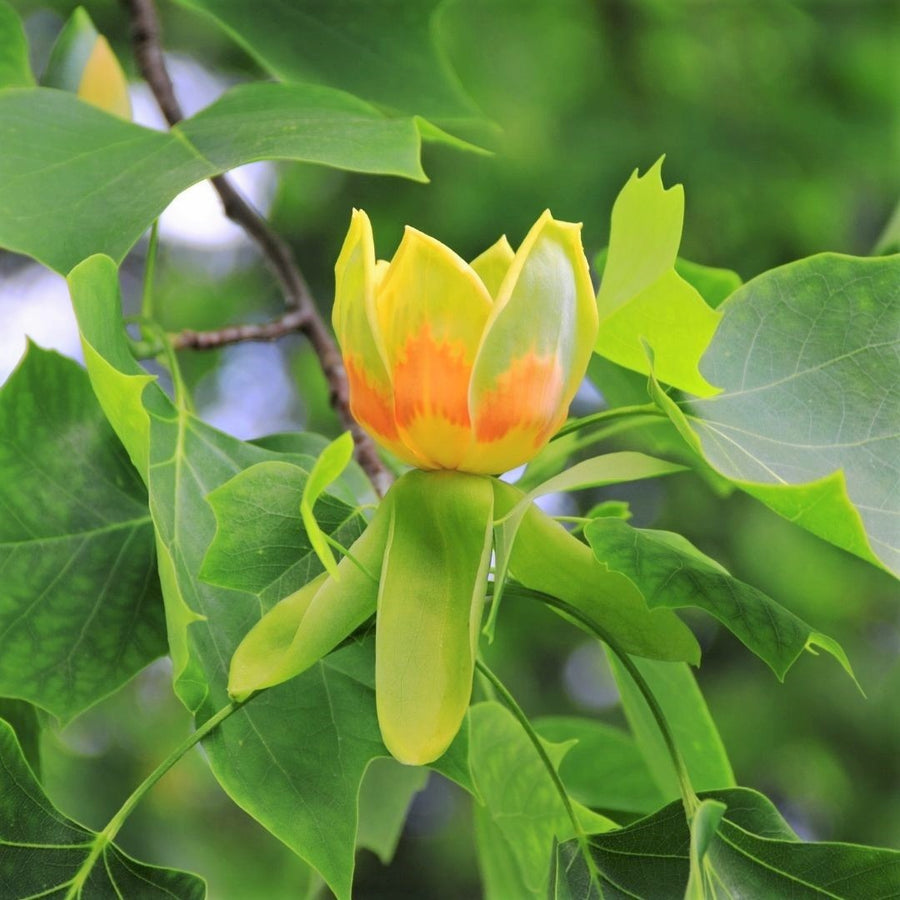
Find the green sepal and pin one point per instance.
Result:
(546, 558)
(300, 629)
(71, 52)
(429, 609)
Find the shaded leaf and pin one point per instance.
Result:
(670, 572)
(114, 178)
(80, 605)
(44, 853)
(676, 691)
(15, 70)
(604, 769)
(808, 357)
(384, 52)
(522, 813)
(753, 853)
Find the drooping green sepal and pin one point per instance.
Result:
(299, 630)
(429, 609)
(544, 557)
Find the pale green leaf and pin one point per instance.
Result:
(46, 854)
(808, 357)
(80, 605)
(642, 296)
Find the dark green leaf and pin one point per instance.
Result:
(23, 719)
(113, 178)
(80, 605)
(670, 572)
(753, 854)
(384, 52)
(43, 853)
(807, 421)
(15, 70)
(604, 769)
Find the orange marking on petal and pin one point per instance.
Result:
(526, 397)
(431, 378)
(371, 406)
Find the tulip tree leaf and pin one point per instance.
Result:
(808, 357)
(642, 296)
(752, 853)
(384, 52)
(114, 178)
(15, 70)
(80, 605)
(294, 757)
(522, 813)
(669, 571)
(604, 768)
(44, 853)
(676, 691)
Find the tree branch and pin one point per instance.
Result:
(302, 315)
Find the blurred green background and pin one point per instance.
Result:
(782, 120)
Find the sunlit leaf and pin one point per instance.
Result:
(44, 853)
(642, 297)
(80, 605)
(808, 357)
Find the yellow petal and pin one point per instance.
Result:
(103, 82)
(432, 309)
(371, 396)
(536, 347)
(492, 266)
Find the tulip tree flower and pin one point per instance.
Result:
(462, 371)
(82, 62)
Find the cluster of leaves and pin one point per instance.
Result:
(134, 529)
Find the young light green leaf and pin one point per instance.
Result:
(670, 572)
(114, 178)
(611, 468)
(15, 70)
(714, 285)
(429, 609)
(522, 812)
(642, 296)
(702, 880)
(329, 465)
(753, 853)
(44, 853)
(808, 417)
(80, 605)
(675, 689)
(547, 559)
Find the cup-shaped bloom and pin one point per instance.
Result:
(82, 61)
(464, 366)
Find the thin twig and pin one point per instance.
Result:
(302, 314)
